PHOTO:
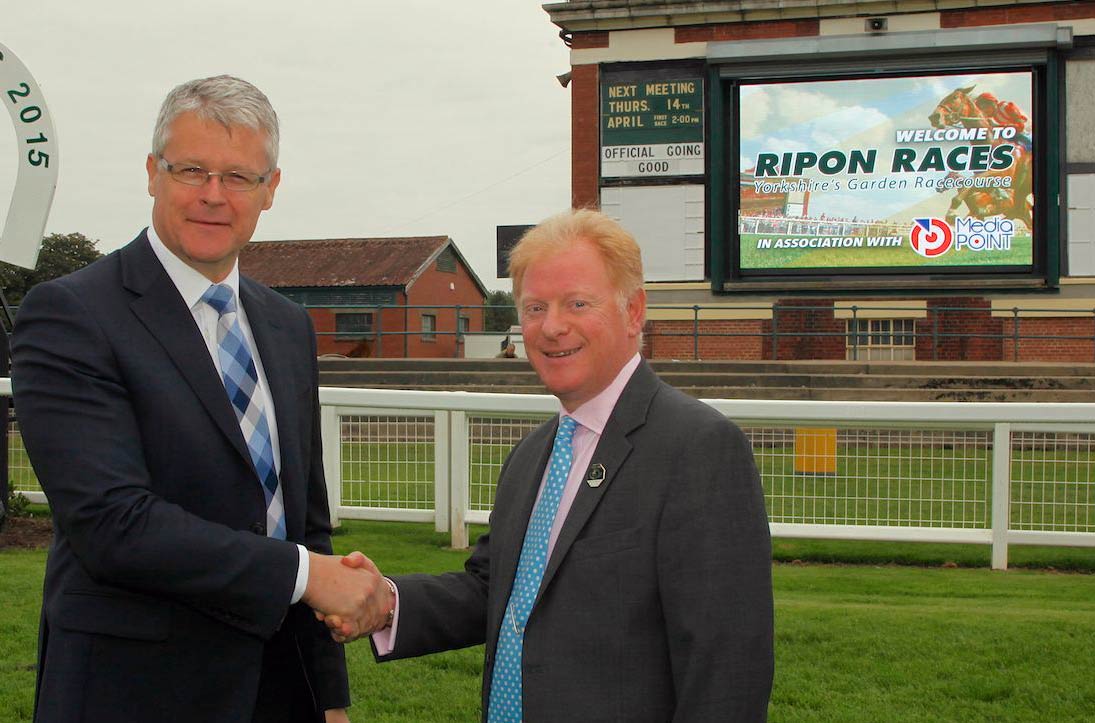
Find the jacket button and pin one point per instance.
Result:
(258, 528)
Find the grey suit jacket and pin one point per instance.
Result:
(656, 604)
(161, 587)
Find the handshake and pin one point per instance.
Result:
(349, 595)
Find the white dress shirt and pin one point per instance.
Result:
(191, 285)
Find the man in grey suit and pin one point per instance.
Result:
(627, 572)
(176, 435)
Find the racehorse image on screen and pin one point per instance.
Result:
(961, 108)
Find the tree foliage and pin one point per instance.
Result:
(500, 313)
(61, 253)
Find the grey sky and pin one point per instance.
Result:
(401, 117)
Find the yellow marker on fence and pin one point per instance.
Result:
(815, 450)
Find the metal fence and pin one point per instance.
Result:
(861, 331)
(994, 474)
(20, 475)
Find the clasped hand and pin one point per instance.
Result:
(348, 594)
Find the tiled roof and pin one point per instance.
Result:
(339, 262)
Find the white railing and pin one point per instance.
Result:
(379, 432)
(994, 474)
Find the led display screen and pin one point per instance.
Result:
(893, 174)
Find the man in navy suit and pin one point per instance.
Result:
(170, 409)
(628, 578)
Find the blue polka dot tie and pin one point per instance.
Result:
(241, 382)
(505, 687)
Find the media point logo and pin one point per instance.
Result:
(931, 237)
(990, 234)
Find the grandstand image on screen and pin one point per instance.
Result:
(778, 225)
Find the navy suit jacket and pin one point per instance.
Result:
(656, 603)
(161, 587)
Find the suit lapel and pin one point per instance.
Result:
(160, 308)
(611, 452)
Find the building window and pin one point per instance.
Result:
(463, 326)
(353, 326)
(429, 327)
(881, 339)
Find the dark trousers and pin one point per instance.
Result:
(285, 695)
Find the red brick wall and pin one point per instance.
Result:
(960, 328)
(799, 318)
(585, 41)
(1017, 14)
(747, 31)
(1079, 349)
(585, 152)
(433, 288)
(966, 329)
(390, 320)
(674, 340)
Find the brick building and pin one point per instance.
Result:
(837, 179)
(376, 297)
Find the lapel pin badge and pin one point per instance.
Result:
(596, 475)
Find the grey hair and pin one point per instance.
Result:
(225, 100)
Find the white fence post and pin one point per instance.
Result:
(332, 458)
(442, 446)
(1001, 494)
(458, 477)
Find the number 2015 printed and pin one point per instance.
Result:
(30, 114)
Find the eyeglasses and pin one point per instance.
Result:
(197, 176)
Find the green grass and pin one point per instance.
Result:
(894, 644)
(21, 590)
(860, 643)
(928, 554)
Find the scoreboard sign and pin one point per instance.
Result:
(652, 126)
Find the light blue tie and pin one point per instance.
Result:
(505, 687)
(241, 382)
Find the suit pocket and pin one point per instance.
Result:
(608, 544)
(116, 614)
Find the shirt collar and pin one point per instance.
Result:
(190, 283)
(594, 414)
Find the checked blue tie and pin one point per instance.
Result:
(505, 686)
(241, 382)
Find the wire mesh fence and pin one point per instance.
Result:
(1053, 482)
(491, 439)
(21, 475)
(890, 477)
(388, 461)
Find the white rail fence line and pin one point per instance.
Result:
(993, 474)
